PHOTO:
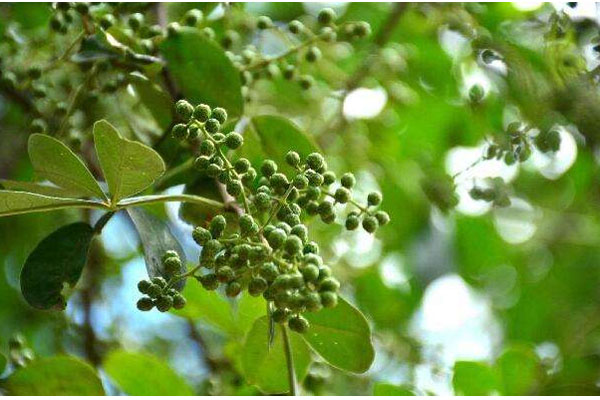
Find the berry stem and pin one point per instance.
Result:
(351, 201)
(289, 359)
(278, 207)
(66, 53)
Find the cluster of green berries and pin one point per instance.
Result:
(64, 13)
(253, 65)
(496, 193)
(158, 291)
(18, 353)
(267, 250)
(277, 262)
(516, 146)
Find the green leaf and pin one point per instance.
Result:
(341, 335)
(520, 371)
(208, 306)
(249, 309)
(387, 389)
(55, 376)
(202, 71)
(266, 367)
(37, 188)
(474, 379)
(273, 136)
(154, 99)
(59, 258)
(3, 362)
(54, 161)
(12, 203)
(139, 374)
(129, 167)
(156, 238)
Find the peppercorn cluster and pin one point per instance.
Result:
(158, 291)
(267, 250)
(305, 38)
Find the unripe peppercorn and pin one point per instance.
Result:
(269, 271)
(310, 272)
(34, 72)
(293, 244)
(164, 303)
(178, 302)
(292, 158)
(264, 22)
(326, 16)
(370, 224)
(233, 289)
(154, 290)
(352, 222)
(217, 225)
(313, 54)
(234, 188)
(202, 112)
(82, 8)
(298, 324)
(180, 131)
(268, 168)
(219, 114)
(342, 195)
(172, 265)
(212, 125)
(192, 17)
(145, 304)
(328, 178)
(107, 21)
(295, 27)
(382, 217)
(276, 238)
(201, 163)
(374, 198)
(348, 181)
(280, 316)
(257, 286)
(289, 72)
(143, 286)
(209, 281)
(328, 299)
(306, 82)
(329, 284)
(184, 109)
(362, 29)
(225, 274)
(159, 281)
(233, 140)
(135, 21)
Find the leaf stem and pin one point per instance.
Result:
(165, 198)
(289, 359)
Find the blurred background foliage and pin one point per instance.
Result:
(472, 299)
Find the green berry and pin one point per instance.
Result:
(382, 218)
(269, 271)
(268, 168)
(276, 238)
(145, 304)
(362, 29)
(169, 253)
(144, 286)
(280, 315)
(172, 265)
(178, 301)
(306, 82)
(348, 180)
(476, 93)
(209, 281)
(315, 179)
(212, 125)
(313, 54)
(180, 132)
(315, 161)
(202, 112)
(310, 272)
(298, 324)
(219, 114)
(135, 21)
(328, 299)
(342, 195)
(295, 27)
(328, 178)
(164, 303)
(312, 302)
(292, 158)
(225, 274)
(217, 225)
(370, 224)
(374, 198)
(154, 290)
(192, 17)
(159, 281)
(82, 8)
(233, 140)
(257, 286)
(326, 16)
(233, 289)
(184, 109)
(246, 222)
(293, 245)
(34, 72)
(264, 22)
(289, 72)
(352, 222)
(329, 284)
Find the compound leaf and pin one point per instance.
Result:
(12, 203)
